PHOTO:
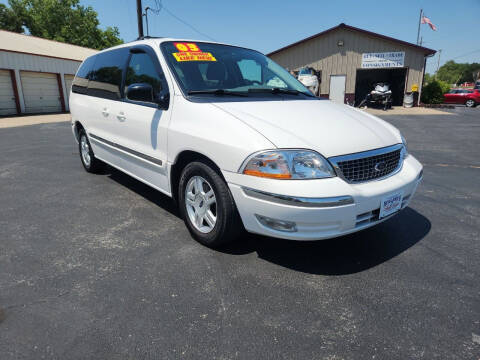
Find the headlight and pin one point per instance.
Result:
(288, 164)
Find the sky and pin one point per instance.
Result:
(267, 25)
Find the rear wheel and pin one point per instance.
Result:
(89, 161)
(470, 103)
(207, 205)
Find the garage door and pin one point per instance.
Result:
(7, 95)
(68, 85)
(40, 92)
(367, 78)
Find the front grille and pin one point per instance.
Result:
(369, 165)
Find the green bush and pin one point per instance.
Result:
(432, 93)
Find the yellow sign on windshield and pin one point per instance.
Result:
(191, 52)
(194, 56)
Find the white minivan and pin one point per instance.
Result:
(238, 142)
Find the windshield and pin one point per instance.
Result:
(205, 67)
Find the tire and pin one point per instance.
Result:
(197, 208)
(90, 163)
(470, 103)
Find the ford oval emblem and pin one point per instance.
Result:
(380, 166)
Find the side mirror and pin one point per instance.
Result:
(163, 101)
(143, 92)
(140, 92)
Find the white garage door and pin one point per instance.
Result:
(68, 85)
(7, 95)
(40, 92)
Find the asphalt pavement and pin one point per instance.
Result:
(101, 266)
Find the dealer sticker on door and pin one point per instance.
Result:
(390, 204)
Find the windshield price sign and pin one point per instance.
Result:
(383, 60)
(191, 52)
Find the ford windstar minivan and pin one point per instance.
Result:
(238, 142)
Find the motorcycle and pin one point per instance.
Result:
(380, 96)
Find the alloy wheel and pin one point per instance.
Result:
(201, 204)
(85, 150)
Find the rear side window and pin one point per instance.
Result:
(106, 77)
(142, 69)
(80, 83)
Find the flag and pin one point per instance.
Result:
(426, 20)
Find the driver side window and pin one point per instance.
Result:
(251, 70)
(141, 69)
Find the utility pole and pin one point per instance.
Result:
(140, 18)
(438, 64)
(419, 23)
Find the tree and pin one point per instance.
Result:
(428, 78)
(8, 20)
(65, 21)
(456, 73)
(432, 93)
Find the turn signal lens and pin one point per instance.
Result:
(288, 164)
(262, 174)
(270, 164)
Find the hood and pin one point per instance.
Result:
(321, 125)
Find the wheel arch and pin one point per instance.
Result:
(76, 129)
(183, 159)
(471, 99)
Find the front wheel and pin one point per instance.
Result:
(207, 206)
(470, 103)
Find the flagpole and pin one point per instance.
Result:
(419, 22)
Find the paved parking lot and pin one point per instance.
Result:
(101, 267)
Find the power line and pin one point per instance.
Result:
(160, 7)
(469, 53)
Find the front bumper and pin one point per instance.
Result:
(322, 222)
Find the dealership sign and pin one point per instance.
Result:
(383, 60)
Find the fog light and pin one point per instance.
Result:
(275, 224)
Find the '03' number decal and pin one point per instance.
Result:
(187, 47)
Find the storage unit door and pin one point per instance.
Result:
(337, 88)
(68, 85)
(40, 92)
(8, 105)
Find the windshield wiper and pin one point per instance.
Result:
(217, 92)
(277, 90)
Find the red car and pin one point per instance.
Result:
(468, 97)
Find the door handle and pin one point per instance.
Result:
(121, 116)
(105, 112)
